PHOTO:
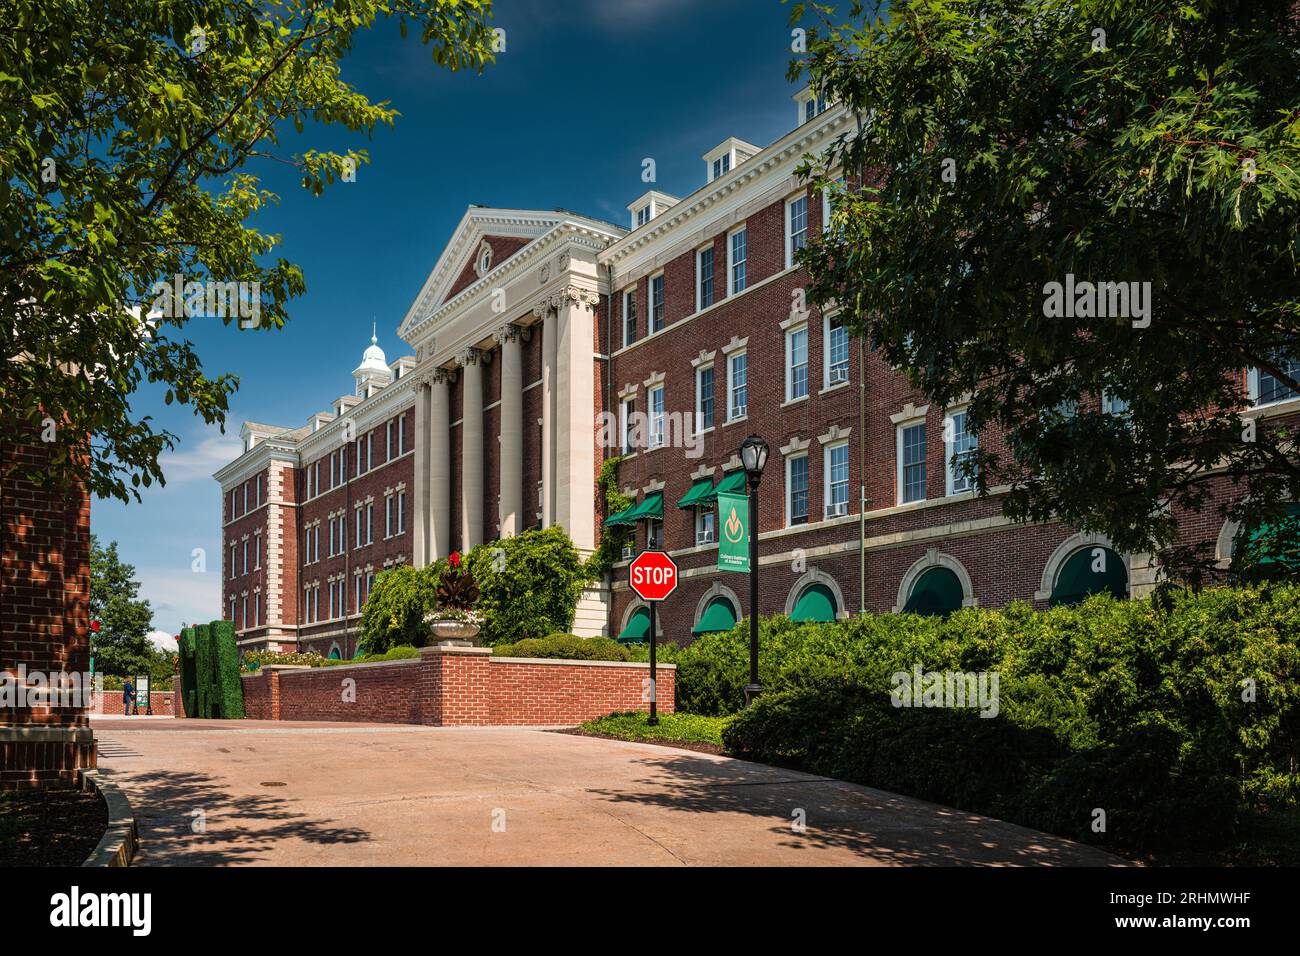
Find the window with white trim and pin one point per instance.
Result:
(721, 165)
(796, 227)
(836, 489)
(796, 490)
(245, 497)
(388, 441)
(243, 612)
(911, 462)
(231, 619)
(627, 408)
(333, 482)
(1114, 406)
(401, 434)
(960, 444)
(705, 525)
(401, 512)
(796, 363)
(359, 526)
(656, 303)
(737, 385)
(629, 316)
(370, 523)
(245, 550)
(653, 534)
(257, 551)
(356, 604)
(836, 351)
(704, 398)
(737, 254)
(388, 516)
(826, 204)
(1266, 388)
(656, 412)
(704, 278)
(257, 609)
(643, 215)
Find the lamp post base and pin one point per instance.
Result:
(751, 692)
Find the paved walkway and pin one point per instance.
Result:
(298, 794)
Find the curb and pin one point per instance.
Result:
(118, 845)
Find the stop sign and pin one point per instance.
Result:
(654, 575)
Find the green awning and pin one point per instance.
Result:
(638, 626)
(733, 482)
(1077, 579)
(702, 488)
(620, 517)
(718, 616)
(815, 606)
(1273, 548)
(651, 507)
(937, 592)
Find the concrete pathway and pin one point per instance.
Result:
(298, 794)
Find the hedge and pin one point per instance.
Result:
(227, 691)
(1170, 719)
(187, 688)
(565, 647)
(203, 665)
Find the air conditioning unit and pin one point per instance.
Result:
(628, 552)
(740, 411)
(704, 537)
(837, 510)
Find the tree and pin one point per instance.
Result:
(395, 610)
(1001, 146)
(125, 197)
(529, 584)
(121, 645)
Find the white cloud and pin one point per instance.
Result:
(180, 596)
(162, 640)
(201, 458)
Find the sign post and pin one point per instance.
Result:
(653, 576)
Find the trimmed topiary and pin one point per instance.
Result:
(203, 664)
(227, 691)
(188, 677)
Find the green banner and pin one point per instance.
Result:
(733, 532)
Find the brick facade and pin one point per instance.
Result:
(44, 620)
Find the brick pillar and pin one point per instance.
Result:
(455, 686)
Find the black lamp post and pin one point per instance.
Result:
(753, 455)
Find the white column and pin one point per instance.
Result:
(471, 450)
(439, 457)
(420, 498)
(575, 415)
(549, 348)
(510, 509)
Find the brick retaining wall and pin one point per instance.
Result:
(161, 702)
(456, 687)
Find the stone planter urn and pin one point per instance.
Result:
(452, 633)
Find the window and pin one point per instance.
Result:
(1266, 388)
(705, 519)
(721, 165)
(370, 449)
(232, 565)
(704, 278)
(960, 445)
(796, 490)
(232, 502)
(401, 435)
(796, 364)
(333, 545)
(629, 317)
(628, 408)
(643, 215)
(653, 534)
(796, 227)
(656, 303)
(243, 611)
(343, 532)
(358, 544)
(333, 600)
(737, 386)
(357, 600)
(401, 512)
(813, 106)
(232, 611)
(245, 498)
(388, 516)
(388, 442)
(370, 523)
(1114, 406)
(837, 479)
(257, 609)
(316, 483)
(245, 550)
(370, 583)
(257, 552)
(736, 253)
(333, 481)
(704, 397)
(656, 417)
(911, 463)
(837, 354)
(257, 492)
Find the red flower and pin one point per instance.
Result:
(454, 559)
(94, 625)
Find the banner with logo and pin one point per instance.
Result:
(733, 532)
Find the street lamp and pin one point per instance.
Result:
(753, 455)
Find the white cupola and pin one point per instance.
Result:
(373, 373)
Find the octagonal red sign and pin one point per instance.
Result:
(653, 575)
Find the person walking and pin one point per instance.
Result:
(128, 693)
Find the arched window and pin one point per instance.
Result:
(937, 593)
(816, 605)
(1269, 550)
(719, 615)
(334, 653)
(1090, 570)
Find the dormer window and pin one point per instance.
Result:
(726, 156)
(811, 105)
(642, 216)
(721, 165)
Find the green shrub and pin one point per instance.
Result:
(204, 665)
(632, 725)
(188, 675)
(1166, 718)
(402, 652)
(565, 646)
(529, 585)
(394, 613)
(227, 691)
(254, 660)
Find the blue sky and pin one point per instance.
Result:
(584, 91)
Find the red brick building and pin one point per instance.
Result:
(546, 342)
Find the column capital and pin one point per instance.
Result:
(473, 356)
(512, 333)
(543, 308)
(440, 376)
(579, 296)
